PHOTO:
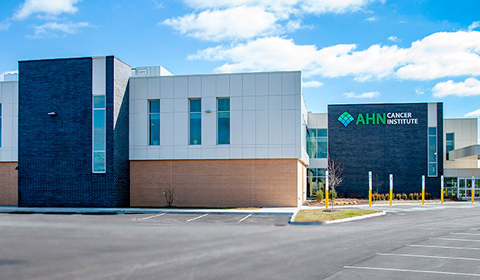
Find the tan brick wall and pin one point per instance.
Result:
(257, 182)
(8, 184)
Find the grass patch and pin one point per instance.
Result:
(318, 215)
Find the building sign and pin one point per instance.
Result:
(392, 118)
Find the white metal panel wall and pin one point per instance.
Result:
(9, 101)
(465, 134)
(265, 115)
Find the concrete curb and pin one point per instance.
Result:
(292, 222)
(120, 211)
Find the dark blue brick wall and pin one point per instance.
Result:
(55, 153)
(400, 150)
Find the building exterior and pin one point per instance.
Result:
(93, 132)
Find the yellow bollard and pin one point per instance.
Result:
(473, 189)
(326, 198)
(391, 197)
(442, 184)
(370, 188)
(369, 197)
(423, 189)
(391, 189)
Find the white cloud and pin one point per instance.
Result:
(394, 39)
(45, 7)
(470, 87)
(370, 94)
(474, 25)
(443, 54)
(52, 28)
(371, 19)
(419, 91)
(217, 20)
(475, 113)
(312, 84)
(215, 25)
(5, 25)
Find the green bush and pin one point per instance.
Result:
(415, 196)
(428, 195)
(404, 196)
(375, 197)
(382, 197)
(410, 196)
(399, 196)
(387, 196)
(319, 195)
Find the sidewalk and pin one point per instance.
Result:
(113, 211)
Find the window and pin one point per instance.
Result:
(317, 143)
(315, 181)
(450, 143)
(195, 121)
(432, 152)
(223, 121)
(99, 133)
(154, 122)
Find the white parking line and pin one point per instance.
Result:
(415, 271)
(455, 239)
(197, 218)
(243, 219)
(444, 247)
(465, 233)
(429, 257)
(149, 217)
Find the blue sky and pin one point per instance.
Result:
(349, 51)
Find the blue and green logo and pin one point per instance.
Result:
(345, 118)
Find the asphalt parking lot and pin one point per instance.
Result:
(410, 242)
(212, 219)
(452, 256)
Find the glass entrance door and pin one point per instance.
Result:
(465, 188)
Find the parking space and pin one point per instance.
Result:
(451, 256)
(213, 219)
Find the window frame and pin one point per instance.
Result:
(150, 122)
(218, 120)
(190, 114)
(96, 152)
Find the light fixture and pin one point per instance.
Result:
(52, 114)
(208, 111)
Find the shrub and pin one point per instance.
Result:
(382, 197)
(415, 196)
(375, 196)
(404, 196)
(399, 196)
(169, 194)
(334, 193)
(387, 196)
(427, 195)
(410, 196)
(319, 195)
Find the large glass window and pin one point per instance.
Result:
(432, 152)
(223, 120)
(317, 143)
(450, 143)
(154, 122)
(315, 181)
(99, 133)
(195, 121)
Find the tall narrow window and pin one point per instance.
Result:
(195, 121)
(223, 121)
(154, 122)
(317, 143)
(432, 152)
(99, 133)
(450, 143)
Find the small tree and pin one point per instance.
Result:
(169, 194)
(335, 170)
